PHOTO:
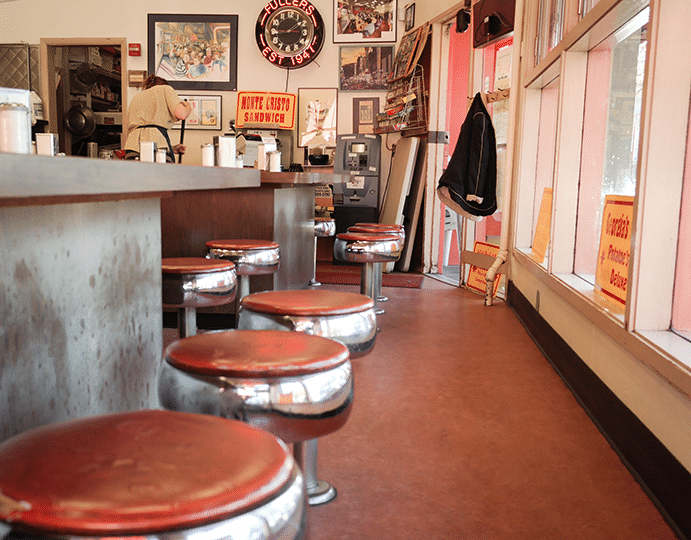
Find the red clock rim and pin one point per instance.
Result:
(283, 61)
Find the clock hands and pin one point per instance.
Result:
(292, 30)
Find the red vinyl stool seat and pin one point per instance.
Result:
(344, 316)
(323, 227)
(193, 282)
(368, 249)
(150, 473)
(251, 258)
(382, 227)
(297, 386)
(396, 230)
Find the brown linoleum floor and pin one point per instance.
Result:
(461, 429)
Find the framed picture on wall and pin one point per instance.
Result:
(367, 21)
(194, 52)
(365, 68)
(364, 113)
(409, 16)
(206, 112)
(405, 55)
(317, 115)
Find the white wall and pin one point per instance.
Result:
(31, 20)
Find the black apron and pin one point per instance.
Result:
(170, 157)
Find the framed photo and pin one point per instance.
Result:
(364, 113)
(409, 16)
(317, 115)
(194, 52)
(366, 21)
(206, 113)
(365, 68)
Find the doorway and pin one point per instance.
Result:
(84, 93)
(458, 70)
(486, 70)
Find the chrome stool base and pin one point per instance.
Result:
(323, 227)
(296, 386)
(190, 282)
(318, 491)
(371, 250)
(251, 258)
(321, 493)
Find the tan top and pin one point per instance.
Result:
(155, 105)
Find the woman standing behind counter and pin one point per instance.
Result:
(151, 114)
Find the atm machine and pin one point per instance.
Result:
(358, 156)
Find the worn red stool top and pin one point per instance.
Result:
(251, 257)
(366, 237)
(242, 244)
(368, 229)
(138, 473)
(194, 265)
(256, 354)
(383, 226)
(307, 303)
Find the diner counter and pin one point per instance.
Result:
(287, 179)
(80, 270)
(281, 210)
(30, 180)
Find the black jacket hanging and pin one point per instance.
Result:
(471, 177)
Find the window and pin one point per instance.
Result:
(551, 26)
(681, 311)
(539, 144)
(612, 118)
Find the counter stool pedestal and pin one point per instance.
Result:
(193, 282)
(396, 230)
(297, 386)
(368, 249)
(344, 316)
(251, 258)
(323, 228)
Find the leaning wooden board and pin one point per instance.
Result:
(411, 212)
(400, 178)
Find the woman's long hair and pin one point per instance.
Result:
(154, 80)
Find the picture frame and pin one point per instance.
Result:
(365, 68)
(364, 114)
(409, 16)
(405, 55)
(370, 21)
(194, 52)
(317, 117)
(206, 112)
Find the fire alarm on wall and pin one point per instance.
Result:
(135, 49)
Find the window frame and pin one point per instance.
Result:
(663, 140)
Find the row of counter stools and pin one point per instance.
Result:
(215, 462)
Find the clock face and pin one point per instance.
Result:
(290, 33)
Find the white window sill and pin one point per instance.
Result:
(664, 352)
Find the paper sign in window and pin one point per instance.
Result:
(542, 229)
(614, 254)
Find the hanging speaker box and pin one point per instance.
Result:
(492, 20)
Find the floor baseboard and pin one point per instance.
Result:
(660, 474)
